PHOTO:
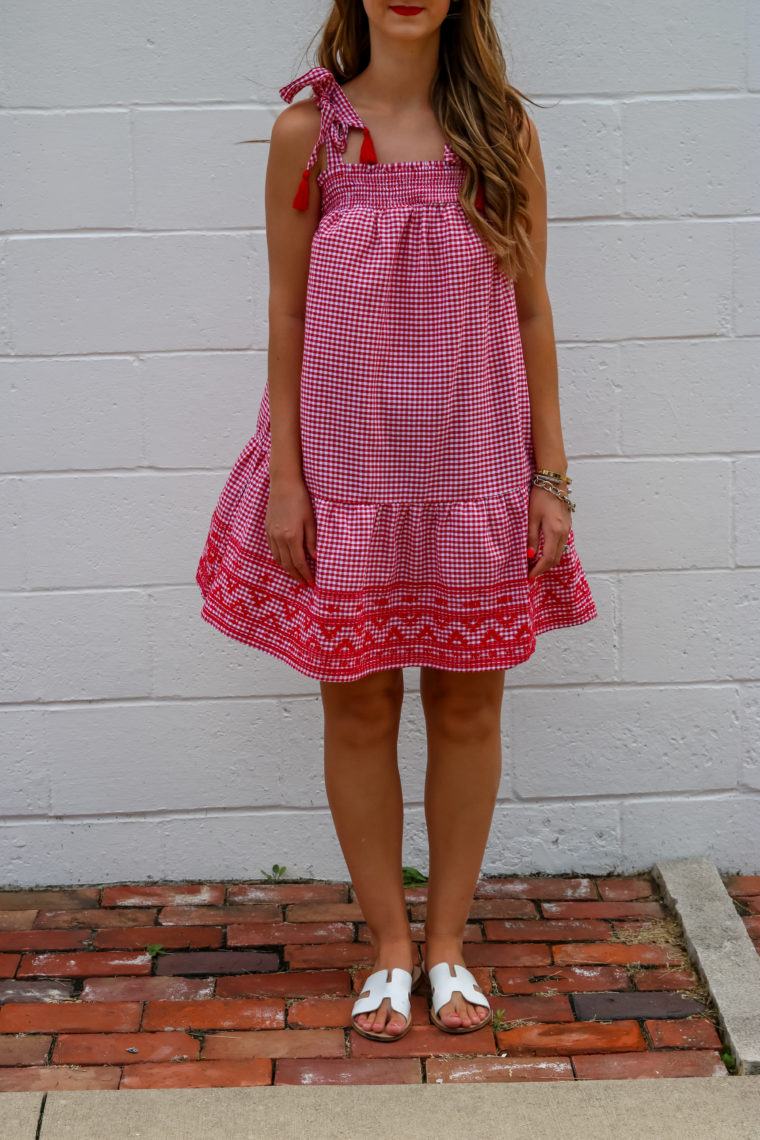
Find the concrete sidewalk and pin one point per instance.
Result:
(669, 1108)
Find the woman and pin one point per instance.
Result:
(404, 500)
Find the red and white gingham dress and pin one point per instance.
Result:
(416, 443)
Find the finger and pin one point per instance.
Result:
(551, 554)
(553, 544)
(296, 561)
(311, 537)
(301, 565)
(564, 540)
(289, 568)
(533, 532)
(544, 563)
(297, 553)
(280, 553)
(273, 546)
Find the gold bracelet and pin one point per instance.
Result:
(554, 475)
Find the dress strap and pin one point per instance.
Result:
(337, 116)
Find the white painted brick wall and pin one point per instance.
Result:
(139, 742)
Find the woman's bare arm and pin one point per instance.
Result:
(534, 314)
(290, 525)
(546, 514)
(289, 233)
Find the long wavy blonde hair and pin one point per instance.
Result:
(479, 111)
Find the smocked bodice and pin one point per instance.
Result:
(368, 184)
(390, 185)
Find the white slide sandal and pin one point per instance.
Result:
(444, 986)
(398, 989)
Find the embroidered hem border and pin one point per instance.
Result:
(399, 634)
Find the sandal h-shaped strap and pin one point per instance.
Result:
(397, 989)
(444, 986)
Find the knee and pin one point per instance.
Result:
(366, 711)
(462, 712)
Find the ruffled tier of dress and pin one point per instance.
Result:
(387, 591)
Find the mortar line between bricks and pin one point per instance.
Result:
(146, 469)
(732, 481)
(114, 702)
(619, 219)
(227, 350)
(612, 799)
(690, 94)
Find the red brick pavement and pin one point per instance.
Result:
(219, 985)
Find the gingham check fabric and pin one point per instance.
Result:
(416, 443)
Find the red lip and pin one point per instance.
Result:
(405, 10)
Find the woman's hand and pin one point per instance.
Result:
(290, 527)
(553, 518)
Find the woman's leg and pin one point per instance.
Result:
(463, 720)
(361, 722)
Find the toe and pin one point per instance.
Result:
(463, 1009)
(383, 1020)
(368, 1020)
(450, 1014)
(459, 1013)
(478, 1014)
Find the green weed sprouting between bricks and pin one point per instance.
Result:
(155, 949)
(277, 872)
(728, 1060)
(410, 876)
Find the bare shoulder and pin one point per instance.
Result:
(294, 134)
(296, 128)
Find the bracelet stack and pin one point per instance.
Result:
(552, 482)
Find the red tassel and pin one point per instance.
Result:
(367, 153)
(301, 200)
(480, 201)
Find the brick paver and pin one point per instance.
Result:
(201, 985)
(745, 891)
